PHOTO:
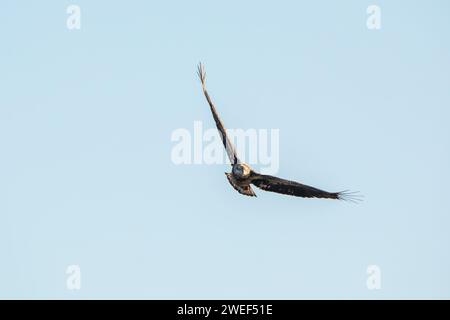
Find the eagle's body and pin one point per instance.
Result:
(242, 176)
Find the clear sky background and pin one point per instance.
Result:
(86, 176)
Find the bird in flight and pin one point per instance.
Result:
(242, 176)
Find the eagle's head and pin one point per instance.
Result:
(241, 170)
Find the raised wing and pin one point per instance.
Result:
(292, 188)
(231, 152)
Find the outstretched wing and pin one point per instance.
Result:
(231, 152)
(292, 188)
(242, 189)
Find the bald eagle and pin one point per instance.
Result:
(242, 176)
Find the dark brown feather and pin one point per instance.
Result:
(292, 188)
(231, 152)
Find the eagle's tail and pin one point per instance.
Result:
(242, 189)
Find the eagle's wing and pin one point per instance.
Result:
(231, 152)
(242, 189)
(292, 188)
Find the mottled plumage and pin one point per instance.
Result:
(242, 175)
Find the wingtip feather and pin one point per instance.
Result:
(350, 196)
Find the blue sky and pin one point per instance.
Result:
(86, 118)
